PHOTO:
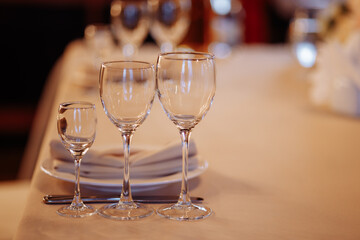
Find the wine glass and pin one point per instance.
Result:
(127, 90)
(76, 124)
(171, 20)
(130, 24)
(303, 35)
(186, 88)
(99, 42)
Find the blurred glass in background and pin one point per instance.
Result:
(99, 41)
(305, 29)
(130, 22)
(303, 36)
(226, 28)
(170, 22)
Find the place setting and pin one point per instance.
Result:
(184, 82)
(153, 167)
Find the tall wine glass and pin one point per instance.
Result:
(76, 124)
(186, 88)
(130, 24)
(171, 20)
(127, 90)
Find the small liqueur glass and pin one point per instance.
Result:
(76, 124)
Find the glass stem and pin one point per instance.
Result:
(77, 198)
(126, 190)
(184, 198)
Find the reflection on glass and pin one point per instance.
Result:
(221, 7)
(306, 53)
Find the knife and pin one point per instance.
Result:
(67, 199)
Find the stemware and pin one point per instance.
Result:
(76, 124)
(127, 90)
(99, 43)
(130, 24)
(171, 20)
(303, 35)
(186, 88)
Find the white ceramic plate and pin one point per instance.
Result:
(111, 184)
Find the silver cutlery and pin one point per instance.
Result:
(65, 199)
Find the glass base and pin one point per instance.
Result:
(76, 211)
(125, 211)
(184, 212)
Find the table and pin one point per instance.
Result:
(279, 168)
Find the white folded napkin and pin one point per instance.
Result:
(109, 163)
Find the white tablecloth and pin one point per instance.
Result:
(278, 167)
